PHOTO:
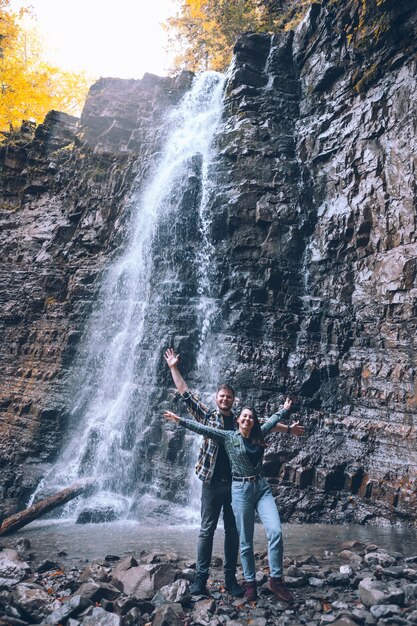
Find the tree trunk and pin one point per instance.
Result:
(14, 522)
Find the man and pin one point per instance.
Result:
(213, 468)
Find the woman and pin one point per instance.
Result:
(250, 490)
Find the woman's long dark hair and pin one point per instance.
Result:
(256, 434)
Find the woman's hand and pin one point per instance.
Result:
(169, 415)
(296, 429)
(287, 403)
(171, 358)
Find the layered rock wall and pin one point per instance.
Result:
(320, 240)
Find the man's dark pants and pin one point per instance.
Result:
(214, 497)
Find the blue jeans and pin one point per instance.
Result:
(248, 497)
(215, 497)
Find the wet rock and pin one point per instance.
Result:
(338, 580)
(98, 591)
(69, 608)
(95, 572)
(123, 604)
(344, 621)
(178, 592)
(412, 616)
(22, 544)
(32, 598)
(12, 621)
(379, 558)
(411, 559)
(361, 616)
(100, 617)
(143, 581)
(168, 615)
(410, 592)
(203, 610)
(97, 515)
(385, 610)
(294, 582)
(395, 571)
(188, 574)
(373, 592)
(46, 566)
(12, 569)
(354, 559)
(410, 574)
(126, 564)
(133, 618)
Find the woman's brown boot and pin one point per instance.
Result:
(251, 593)
(280, 591)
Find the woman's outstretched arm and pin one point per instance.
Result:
(276, 417)
(200, 429)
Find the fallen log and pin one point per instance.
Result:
(18, 520)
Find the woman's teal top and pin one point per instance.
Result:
(234, 444)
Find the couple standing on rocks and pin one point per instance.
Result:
(230, 467)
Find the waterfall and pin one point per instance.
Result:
(115, 375)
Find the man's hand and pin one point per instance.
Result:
(173, 417)
(287, 403)
(171, 358)
(296, 429)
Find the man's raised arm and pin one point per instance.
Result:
(172, 361)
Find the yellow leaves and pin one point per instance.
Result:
(29, 86)
(204, 31)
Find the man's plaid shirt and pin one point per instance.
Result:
(207, 455)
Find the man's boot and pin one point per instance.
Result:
(198, 588)
(280, 591)
(251, 592)
(233, 586)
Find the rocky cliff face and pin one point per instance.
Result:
(314, 257)
(319, 236)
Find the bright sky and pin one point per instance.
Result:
(121, 39)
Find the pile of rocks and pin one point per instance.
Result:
(360, 585)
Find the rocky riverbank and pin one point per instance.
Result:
(360, 584)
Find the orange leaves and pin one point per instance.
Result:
(56, 572)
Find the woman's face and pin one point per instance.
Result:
(246, 421)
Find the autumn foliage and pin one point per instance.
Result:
(30, 87)
(204, 31)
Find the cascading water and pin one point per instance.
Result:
(115, 374)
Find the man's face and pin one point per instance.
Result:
(224, 400)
